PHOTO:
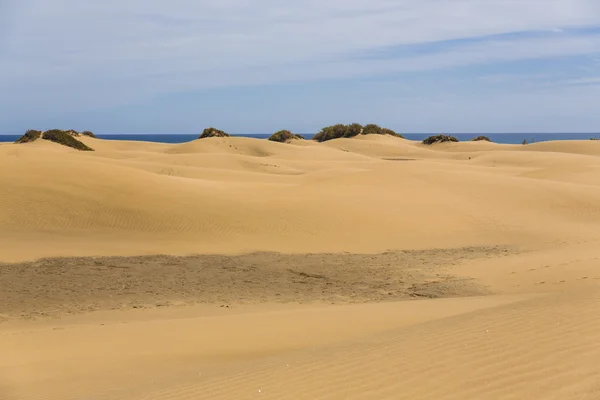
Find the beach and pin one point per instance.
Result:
(236, 268)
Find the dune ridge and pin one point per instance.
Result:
(218, 195)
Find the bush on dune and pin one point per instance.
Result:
(213, 132)
(349, 131)
(439, 139)
(29, 136)
(65, 138)
(72, 132)
(481, 138)
(284, 136)
(338, 131)
(373, 129)
(88, 133)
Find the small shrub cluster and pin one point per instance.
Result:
(213, 132)
(439, 139)
(88, 133)
(284, 136)
(481, 138)
(348, 131)
(593, 138)
(373, 129)
(29, 136)
(65, 138)
(338, 131)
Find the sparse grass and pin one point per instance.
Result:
(593, 138)
(88, 133)
(352, 130)
(439, 139)
(213, 132)
(65, 138)
(481, 138)
(524, 142)
(29, 136)
(284, 136)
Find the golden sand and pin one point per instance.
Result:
(236, 268)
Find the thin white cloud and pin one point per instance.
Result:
(219, 35)
(98, 53)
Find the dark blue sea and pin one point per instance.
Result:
(509, 138)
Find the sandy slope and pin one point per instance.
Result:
(520, 223)
(234, 195)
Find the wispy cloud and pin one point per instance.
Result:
(125, 51)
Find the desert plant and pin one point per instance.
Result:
(372, 129)
(480, 138)
(439, 139)
(29, 136)
(213, 132)
(352, 130)
(72, 132)
(65, 138)
(593, 138)
(88, 133)
(284, 136)
(338, 131)
(524, 142)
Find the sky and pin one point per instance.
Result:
(257, 66)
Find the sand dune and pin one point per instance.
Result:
(503, 238)
(237, 194)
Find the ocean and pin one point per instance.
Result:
(508, 138)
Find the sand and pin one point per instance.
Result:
(364, 268)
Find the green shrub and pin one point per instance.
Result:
(352, 130)
(372, 129)
(439, 139)
(284, 136)
(593, 138)
(481, 138)
(29, 136)
(88, 133)
(524, 142)
(338, 131)
(213, 132)
(65, 138)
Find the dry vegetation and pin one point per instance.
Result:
(348, 131)
(29, 136)
(284, 136)
(481, 138)
(213, 132)
(65, 138)
(439, 139)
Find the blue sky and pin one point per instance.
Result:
(150, 66)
